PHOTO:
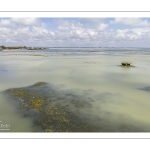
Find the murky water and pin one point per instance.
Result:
(119, 96)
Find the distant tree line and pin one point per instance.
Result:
(13, 47)
(3, 47)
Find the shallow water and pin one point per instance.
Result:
(118, 95)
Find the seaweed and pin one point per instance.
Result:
(50, 116)
(126, 63)
(40, 83)
(147, 89)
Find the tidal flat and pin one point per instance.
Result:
(75, 90)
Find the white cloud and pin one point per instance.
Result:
(102, 26)
(25, 21)
(5, 22)
(33, 32)
(92, 20)
(92, 32)
(65, 25)
(130, 21)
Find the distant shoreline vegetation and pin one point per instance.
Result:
(20, 47)
(43, 48)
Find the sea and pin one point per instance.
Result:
(119, 96)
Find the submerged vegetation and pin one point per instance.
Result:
(40, 83)
(51, 117)
(26, 115)
(33, 101)
(36, 104)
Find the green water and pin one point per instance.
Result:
(117, 99)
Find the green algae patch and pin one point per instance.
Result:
(21, 93)
(25, 107)
(56, 114)
(59, 119)
(26, 115)
(36, 104)
(51, 109)
(31, 100)
(40, 83)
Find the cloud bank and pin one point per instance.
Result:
(131, 21)
(74, 32)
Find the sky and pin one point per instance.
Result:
(75, 32)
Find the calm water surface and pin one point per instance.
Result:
(120, 96)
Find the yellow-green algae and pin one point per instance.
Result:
(33, 101)
(56, 114)
(58, 119)
(40, 83)
(26, 115)
(52, 118)
(36, 104)
(25, 108)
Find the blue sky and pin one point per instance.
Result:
(95, 32)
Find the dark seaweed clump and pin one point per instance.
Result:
(126, 64)
(147, 88)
